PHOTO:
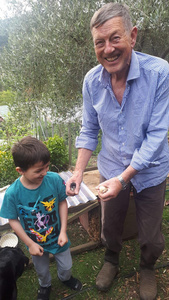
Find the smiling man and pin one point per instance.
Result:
(127, 97)
(113, 47)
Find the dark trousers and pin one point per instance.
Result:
(149, 209)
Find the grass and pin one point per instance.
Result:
(87, 265)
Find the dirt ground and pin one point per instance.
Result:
(91, 179)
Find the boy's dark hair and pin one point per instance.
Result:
(28, 151)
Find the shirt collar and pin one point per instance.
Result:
(134, 71)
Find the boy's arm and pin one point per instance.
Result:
(34, 248)
(63, 213)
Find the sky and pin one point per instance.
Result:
(3, 9)
(3, 6)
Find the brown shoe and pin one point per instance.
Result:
(106, 276)
(148, 285)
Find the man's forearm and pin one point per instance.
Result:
(128, 174)
(83, 159)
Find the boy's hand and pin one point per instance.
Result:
(36, 249)
(62, 239)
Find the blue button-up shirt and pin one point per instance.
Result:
(135, 132)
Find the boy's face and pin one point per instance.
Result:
(33, 177)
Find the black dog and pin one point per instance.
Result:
(12, 261)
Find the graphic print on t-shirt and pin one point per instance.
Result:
(41, 220)
(49, 205)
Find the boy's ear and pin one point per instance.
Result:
(19, 170)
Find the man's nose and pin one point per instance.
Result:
(108, 47)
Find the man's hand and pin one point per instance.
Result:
(73, 184)
(109, 189)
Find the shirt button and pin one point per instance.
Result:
(123, 144)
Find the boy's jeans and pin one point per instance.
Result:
(64, 265)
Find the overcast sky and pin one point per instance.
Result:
(3, 8)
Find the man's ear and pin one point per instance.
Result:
(133, 36)
(19, 170)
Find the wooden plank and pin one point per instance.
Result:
(86, 209)
(84, 247)
(5, 227)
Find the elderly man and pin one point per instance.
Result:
(127, 97)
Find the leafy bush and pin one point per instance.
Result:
(58, 153)
(8, 173)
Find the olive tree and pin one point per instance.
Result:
(46, 49)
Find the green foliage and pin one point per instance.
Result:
(58, 152)
(49, 50)
(14, 127)
(6, 97)
(8, 174)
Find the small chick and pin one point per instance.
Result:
(103, 189)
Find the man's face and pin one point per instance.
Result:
(113, 46)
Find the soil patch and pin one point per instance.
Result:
(91, 179)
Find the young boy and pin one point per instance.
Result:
(36, 207)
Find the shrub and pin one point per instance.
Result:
(58, 153)
(8, 173)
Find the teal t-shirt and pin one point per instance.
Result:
(37, 210)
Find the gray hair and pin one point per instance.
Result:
(109, 11)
